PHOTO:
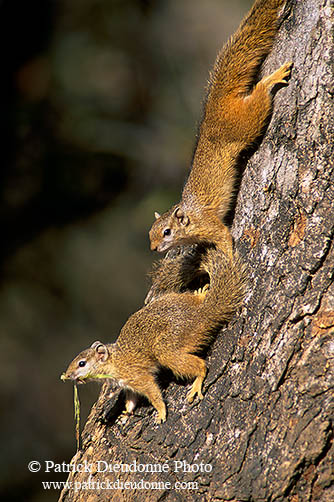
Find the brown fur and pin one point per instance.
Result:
(234, 116)
(167, 332)
(179, 271)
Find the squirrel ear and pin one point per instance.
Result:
(181, 217)
(101, 351)
(185, 221)
(95, 344)
(157, 215)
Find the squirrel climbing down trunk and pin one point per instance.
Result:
(178, 322)
(235, 114)
(168, 332)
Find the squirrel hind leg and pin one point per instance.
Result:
(190, 367)
(279, 76)
(254, 109)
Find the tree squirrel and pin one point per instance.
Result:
(167, 332)
(234, 116)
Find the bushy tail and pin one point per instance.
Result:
(238, 60)
(227, 287)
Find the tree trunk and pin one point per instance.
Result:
(264, 430)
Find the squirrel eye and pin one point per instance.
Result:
(167, 231)
(82, 364)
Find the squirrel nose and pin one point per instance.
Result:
(153, 247)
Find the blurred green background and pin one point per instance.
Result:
(100, 105)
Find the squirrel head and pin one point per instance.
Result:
(169, 230)
(89, 364)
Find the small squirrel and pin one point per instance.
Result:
(167, 332)
(235, 114)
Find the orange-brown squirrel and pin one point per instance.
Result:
(167, 332)
(234, 116)
(177, 322)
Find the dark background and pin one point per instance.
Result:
(100, 104)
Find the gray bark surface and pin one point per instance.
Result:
(265, 424)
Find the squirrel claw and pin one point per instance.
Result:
(279, 76)
(161, 416)
(124, 416)
(196, 389)
(191, 395)
(160, 420)
(202, 291)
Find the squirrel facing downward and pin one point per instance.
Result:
(235, 114)
(177, 322)
(167, 332)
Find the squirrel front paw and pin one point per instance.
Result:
(196, 389)
(161, 417)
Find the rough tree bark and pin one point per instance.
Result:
(265, 424)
